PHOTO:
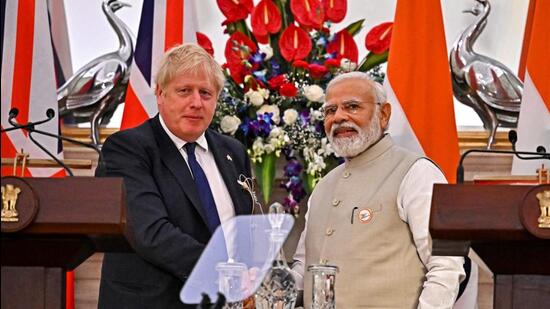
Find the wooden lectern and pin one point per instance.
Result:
(61, 222)
(501, 224)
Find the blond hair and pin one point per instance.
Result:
(189, 58)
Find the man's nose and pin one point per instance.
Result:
(195, 99)
(340, 115)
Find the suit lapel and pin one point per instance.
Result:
(226, 166)
(172, 158)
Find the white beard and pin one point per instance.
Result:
(349, 147)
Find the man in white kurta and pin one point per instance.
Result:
(370, 215)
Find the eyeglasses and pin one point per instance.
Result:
(349, 107)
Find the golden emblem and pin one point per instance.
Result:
(544, 203)
(365, 215)
(9, 200)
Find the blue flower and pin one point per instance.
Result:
(261, 75)
(275, 68)
(321, 41)
(293, 168)
(258, 57)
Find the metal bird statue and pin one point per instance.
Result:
(93, 93)
(483, 83)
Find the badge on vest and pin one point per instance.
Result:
(365, 215)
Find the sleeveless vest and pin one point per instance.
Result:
(354, 224)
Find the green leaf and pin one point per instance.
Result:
(355, 27)
(286, 16)
(265, 175)
(310, 182)
(242, 27)
(372, 60)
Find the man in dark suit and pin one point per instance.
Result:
(181, 182)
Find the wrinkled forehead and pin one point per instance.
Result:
(347, 90)
(198, 72)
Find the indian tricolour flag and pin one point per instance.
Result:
(534, 117)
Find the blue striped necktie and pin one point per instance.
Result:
(205, 193)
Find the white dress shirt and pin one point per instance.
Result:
(205, 158)
(413, 202)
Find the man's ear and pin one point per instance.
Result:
(385, 113)
(158, 91)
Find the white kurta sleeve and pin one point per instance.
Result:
(444, 273)
(299, 264)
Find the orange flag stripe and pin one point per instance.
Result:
(538, 62)
(174, 23)
(419, 73)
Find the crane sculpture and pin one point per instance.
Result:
(483, 83)
(93, 93)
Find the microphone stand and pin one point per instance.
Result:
(31, 128)
(513, 138)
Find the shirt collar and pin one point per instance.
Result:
(201, 141)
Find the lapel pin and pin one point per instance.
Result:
(365, 215)
(229, 158)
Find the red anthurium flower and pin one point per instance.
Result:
(204, 42)
(265, 19)
(238, 48)
(237, 71)
(300, 64)
(344, 46)
(262, 39)
(276, 81)
(235, 10)
(379, 38)
(332, 63)
(335, 10)
(308, 13)
(288, 90)
(317, 71)
(294, 43)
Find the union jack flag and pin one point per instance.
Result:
(28, 81)
(163, 24)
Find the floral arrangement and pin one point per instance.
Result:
(277, 70)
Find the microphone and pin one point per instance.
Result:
(513, 138)
(534, 156)
(13, 113)
(30, 127)
(50, 113)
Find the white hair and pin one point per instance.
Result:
(379, 92)
(349, 147)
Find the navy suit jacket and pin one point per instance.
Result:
(166, 225)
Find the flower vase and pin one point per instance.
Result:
(265, 174)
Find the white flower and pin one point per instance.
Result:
(314, 93)
(258, 146)
(290, 116)
(269, 148)
(267, 50)
(275, 132)
(264, 92)
(230, 124)
(270, 109)
(316, 115)
(347, 65)
(255, 98)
